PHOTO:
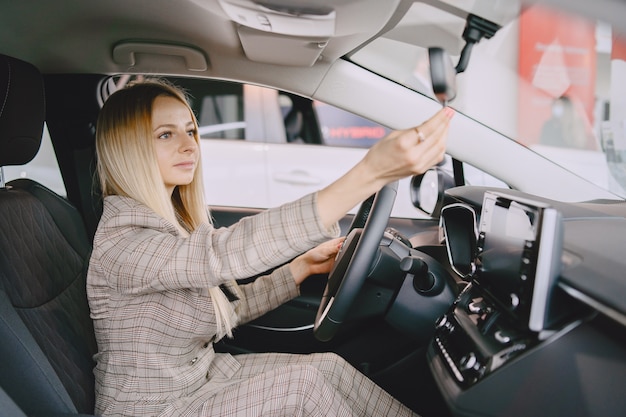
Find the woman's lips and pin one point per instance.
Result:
(186, 165)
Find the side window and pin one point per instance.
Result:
(234, 111)
(219, 107)
(44, 168)
(342, 128)
(315, 122)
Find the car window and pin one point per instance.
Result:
(315, 122)
(220, 111)
(43, 168)
(342, 128)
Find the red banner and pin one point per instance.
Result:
(557, 58)
(618, 47)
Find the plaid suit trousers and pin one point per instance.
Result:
(279, 384)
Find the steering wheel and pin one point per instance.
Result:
(354, 261)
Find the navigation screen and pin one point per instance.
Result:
(519, 252)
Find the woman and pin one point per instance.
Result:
(161, 281)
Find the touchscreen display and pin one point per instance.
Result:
(518, 258)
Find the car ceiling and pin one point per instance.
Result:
(201, 25)
(45, 33)
(81, 36)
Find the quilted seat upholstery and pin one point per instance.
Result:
(46, 334)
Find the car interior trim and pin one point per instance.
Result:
(127, 53)
(591, 302)
(283, 329)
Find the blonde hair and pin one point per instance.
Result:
(127, 166)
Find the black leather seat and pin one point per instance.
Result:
(46, 334)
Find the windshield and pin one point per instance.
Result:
(551, 81)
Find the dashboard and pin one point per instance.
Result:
(540, 327)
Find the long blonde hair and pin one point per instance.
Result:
(127, 166)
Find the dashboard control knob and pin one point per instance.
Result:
(468, 361)
(502, 337)
(476, 307)
(444, 325)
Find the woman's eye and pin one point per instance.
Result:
(165, 135)
(192, 132)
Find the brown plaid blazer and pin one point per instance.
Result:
(148, 293)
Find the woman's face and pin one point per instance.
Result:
(174, 131)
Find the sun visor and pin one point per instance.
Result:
(280, 18)
(266, 47)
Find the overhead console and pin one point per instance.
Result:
(511, 255)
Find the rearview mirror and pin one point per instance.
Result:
(442, 75)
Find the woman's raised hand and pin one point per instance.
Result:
(401, 154)
(411, 151)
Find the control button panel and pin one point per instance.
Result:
(474, 338)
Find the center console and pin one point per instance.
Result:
(519, 340)
(510, 305)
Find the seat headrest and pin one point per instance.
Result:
(22, 111)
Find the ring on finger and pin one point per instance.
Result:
(420, 136)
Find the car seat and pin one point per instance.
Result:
(47, 341)
(293, 125)
(301, 124)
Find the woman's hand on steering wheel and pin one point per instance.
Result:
(318, 260)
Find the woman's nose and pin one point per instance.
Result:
(189, 144)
